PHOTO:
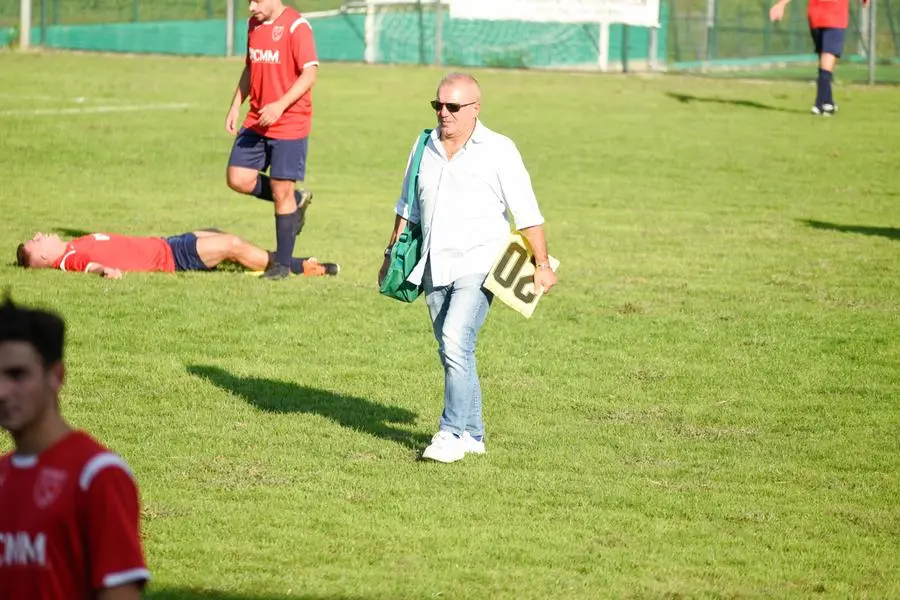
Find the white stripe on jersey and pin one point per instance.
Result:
(23, 461)
(97, 464)
(130, 576)
(62, 263)
(299, 22)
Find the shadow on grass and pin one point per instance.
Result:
(67, 232)
(687, 99)
(348, 411)
(892, 233)
(193, 594)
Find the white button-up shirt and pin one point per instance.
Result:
(462, 204)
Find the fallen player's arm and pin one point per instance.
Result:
(102, 271)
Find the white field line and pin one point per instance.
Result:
(38, 112)
(56, 99)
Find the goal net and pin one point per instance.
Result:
(627, 12)
(508, 33)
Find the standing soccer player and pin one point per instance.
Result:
(828, 20)
(69, 513)
(279, 73)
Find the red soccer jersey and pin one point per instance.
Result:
(122, 252)
(277, 53)
(69, 523)
(829, 13)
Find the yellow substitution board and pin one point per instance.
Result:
(512, 277)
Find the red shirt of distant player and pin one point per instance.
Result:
(122, 252)
(277, 53)
(828, 14)
(69, 522)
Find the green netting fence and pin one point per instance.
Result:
(737, 35)
(695, 34)
(404, 34)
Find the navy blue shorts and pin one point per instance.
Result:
(184, 249)
(829, 40)
(285, 159)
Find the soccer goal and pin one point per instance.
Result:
(504, 33)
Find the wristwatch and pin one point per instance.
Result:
(387, 251)
(542, 265)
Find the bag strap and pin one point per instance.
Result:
(414, 169)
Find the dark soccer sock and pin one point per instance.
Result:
(829, 99)
(823, 88)
(263, 188)
(285, 228)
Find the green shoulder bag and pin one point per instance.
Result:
(407, 250)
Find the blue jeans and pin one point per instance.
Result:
(457, 313)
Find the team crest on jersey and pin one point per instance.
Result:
(277, 32)
(49, 486)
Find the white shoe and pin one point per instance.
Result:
(471, 445)
(445, 447)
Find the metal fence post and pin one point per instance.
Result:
(24, 24)
(229, 27)
(872, 41)
(438, 33)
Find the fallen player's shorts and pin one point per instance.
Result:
(285, 159)
(829, 40)
(184, 249)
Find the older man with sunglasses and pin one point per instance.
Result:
(469, 180)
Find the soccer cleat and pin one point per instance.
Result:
(276, 271)
(445, 447)
(306, 197)
(313, 268)
(471, 445)
(826, 110)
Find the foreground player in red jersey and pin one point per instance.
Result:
(828, 20)
(110, 255)
(279, 73)
(69, 508)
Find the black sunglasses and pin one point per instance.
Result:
(453, 107)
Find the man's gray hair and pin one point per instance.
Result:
(458, 76)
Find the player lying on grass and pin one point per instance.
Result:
(110, 255)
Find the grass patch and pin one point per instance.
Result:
(706, 407)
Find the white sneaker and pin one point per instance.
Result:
(445, 447)
(471, 445)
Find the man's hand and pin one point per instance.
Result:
(544, 278)
(110, 273)
(270, 113)
(776, 13)
(231, 121)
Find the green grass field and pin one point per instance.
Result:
(706, 407)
